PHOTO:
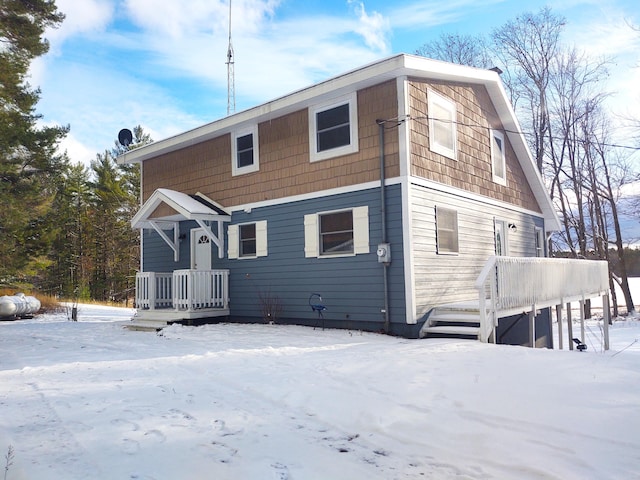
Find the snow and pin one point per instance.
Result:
(91, 399)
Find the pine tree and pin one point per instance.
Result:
(28, 158)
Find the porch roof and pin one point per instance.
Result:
(184, 207)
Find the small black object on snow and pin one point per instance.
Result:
(579, 345)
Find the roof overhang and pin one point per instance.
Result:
(402, 65)
(204, 211)
(184, 207)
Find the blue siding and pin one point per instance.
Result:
(351, 287)
(158, 256)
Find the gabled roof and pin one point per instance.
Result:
(401, 65)
(186, 207)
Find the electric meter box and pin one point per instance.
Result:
(384, 253)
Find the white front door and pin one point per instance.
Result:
(201, 250)
(501, 237)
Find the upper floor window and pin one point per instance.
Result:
(442, 125)
(446, 230)
(244, 151)
(498, 158)
(333, 128)
(339, 233)
(247, 240)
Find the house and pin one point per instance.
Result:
(398, 197)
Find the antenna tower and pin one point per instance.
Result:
(231, 88)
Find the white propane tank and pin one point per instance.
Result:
(7, 307)
(18, 305)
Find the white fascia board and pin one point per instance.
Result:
(368, 75)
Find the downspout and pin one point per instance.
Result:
(383, 213)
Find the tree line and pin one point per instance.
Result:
(559, 95)
(64, 228)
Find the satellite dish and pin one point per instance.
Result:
(125, 137)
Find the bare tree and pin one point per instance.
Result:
(470, 50)
(528, 46)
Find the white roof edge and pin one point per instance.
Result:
(398, 65)
(185, 205)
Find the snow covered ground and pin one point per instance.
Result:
(92, 400)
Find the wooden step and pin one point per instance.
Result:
(456, 317)
(146, 325)
(443, 330)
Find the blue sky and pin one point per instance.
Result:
(161, 63)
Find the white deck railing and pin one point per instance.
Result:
(184, 290)
(507, 285)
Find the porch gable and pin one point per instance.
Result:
(182, 206)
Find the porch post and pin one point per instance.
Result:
(559, 318)
(532, 326)
(152, 290)
(606, 317)
(569, 326)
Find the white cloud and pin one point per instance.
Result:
(374, 27)
(425, 14)
(86, 16)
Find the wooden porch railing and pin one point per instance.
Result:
(511, 285)
(182, 290)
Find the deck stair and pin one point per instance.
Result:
(146, 325)
(455, 320)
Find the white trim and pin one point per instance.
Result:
(352, 147)
(233, 240)
(314, 195)
(408, 252)
(360, 230)
(434, 100)
(493, 134)
(404, 132)
(261, 239)
(311, 229)
(458, 192)
(255, 166)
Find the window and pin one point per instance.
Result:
(244, 151)
(337, 233)
(539, 239)
(442, 125)
(498, 162)
(247, 240)
(333, 129)
(446, 230)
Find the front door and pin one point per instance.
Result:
(500, 227)
(201, 248)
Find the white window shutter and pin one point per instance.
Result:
(361, 230)
(234, 241)
(261, 238)
(311, 235)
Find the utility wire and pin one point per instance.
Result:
(398, 121)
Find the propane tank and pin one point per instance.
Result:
(7, 307)
(18, 305)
